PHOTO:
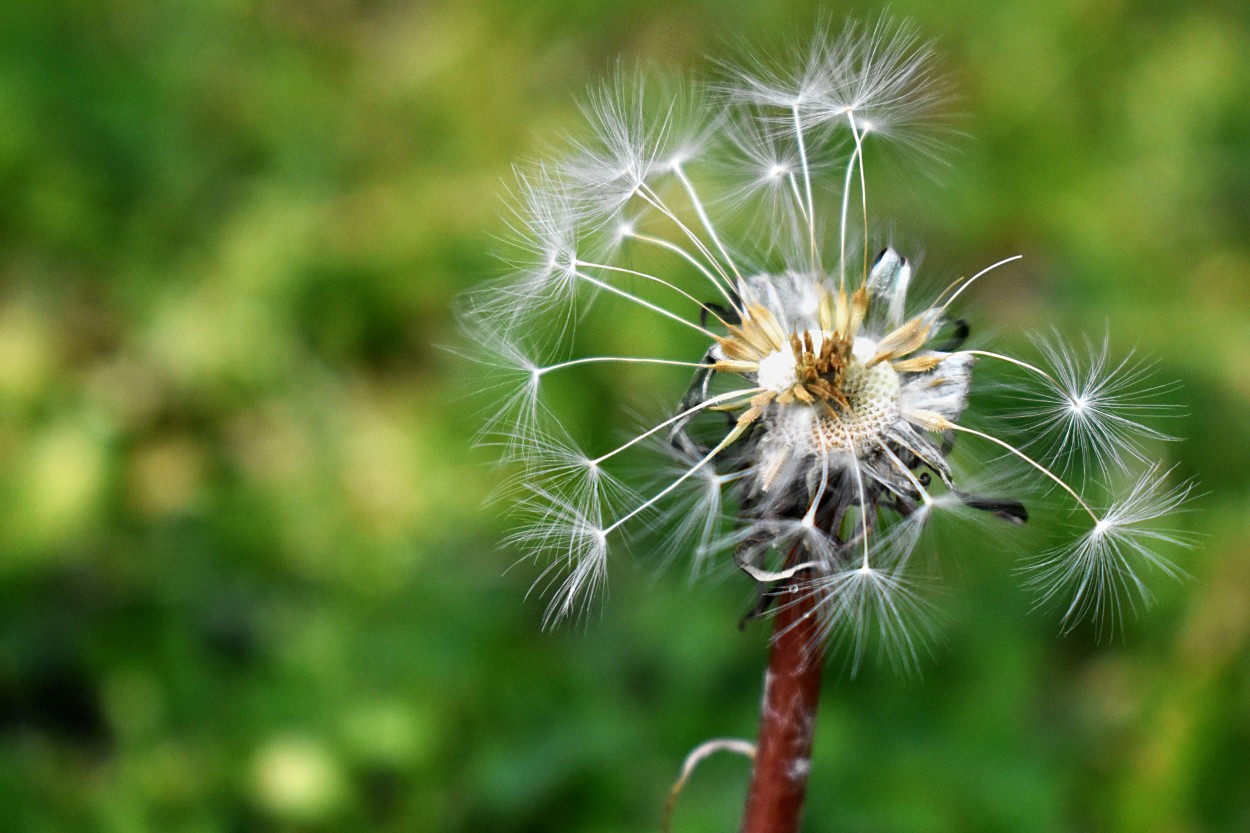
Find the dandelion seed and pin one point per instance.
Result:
(865, 604)
(1104, 568)
(1089, 408)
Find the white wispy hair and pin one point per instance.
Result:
(642, 125)
(546, 234)
(885, 74)
(1090, 406)
(861, 607)
(826, 418)
(571, 536)
(878, 79)
(1103, 569)
(508, 376)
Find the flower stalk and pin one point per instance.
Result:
(787, 717)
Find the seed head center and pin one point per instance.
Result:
(855, 401)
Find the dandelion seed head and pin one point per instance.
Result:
(827, 417)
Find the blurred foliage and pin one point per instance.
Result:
(246, 578)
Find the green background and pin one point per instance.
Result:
(247, 581)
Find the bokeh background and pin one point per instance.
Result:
(247, 581)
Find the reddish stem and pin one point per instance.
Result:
(791, 694)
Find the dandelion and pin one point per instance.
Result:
(825, 395)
